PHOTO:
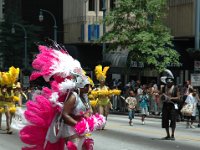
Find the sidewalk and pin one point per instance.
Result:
(149, 116)
(136, 114)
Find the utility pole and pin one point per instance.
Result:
(104, 26)
(197, 15)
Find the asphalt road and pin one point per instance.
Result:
(118, 135)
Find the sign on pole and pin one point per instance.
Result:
(26, 81)
(196, 66)
(195, 79)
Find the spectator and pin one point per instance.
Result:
(143, 101)
(191, 99)
(132, 103)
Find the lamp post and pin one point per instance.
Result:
(41, 18)
(104, 25)
(25, 41)
(197, 25)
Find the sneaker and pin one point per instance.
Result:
(191, 126)
(9, 131)
(166, 138)
(172, 138)
(130, 123)
(143, 123)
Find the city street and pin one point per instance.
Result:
(118, 135)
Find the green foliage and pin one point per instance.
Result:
(137, 26)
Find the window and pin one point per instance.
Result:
(112, 4)
(179, 2)
(101, 5)
(91, 5)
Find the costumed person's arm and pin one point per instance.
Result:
(20, 100)
(67, 110)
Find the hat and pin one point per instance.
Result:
(80, 79)
(168, 77)
(169, 80)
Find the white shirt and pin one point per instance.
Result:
(192, 100)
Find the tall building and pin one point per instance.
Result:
(80, 23)
(181, 19)
(1, 19)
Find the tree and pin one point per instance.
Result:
(12, 45)
(138, 26)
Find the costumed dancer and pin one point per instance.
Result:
(170, 97)
(103, 104)
(7, 97)
(103, 93)
(59, 117)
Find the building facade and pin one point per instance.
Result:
(82, 21)
(1, 19)
(181, 19)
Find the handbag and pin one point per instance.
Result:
(187, 110)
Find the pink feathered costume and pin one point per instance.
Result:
(46, 129)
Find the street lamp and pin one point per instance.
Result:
(104, 25)
(25, 41)
(41, 18)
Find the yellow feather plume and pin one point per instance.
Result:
(105, 69)
(10, 77)
(101, 75)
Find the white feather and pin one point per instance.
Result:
(170, 74)
(54, 97)
(163, 79)
(66, 85)
(64, 64)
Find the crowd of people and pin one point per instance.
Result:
(166, 100)
(153, 104)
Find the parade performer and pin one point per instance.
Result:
(103, 104)
(7, 97)
(103, 93)
(58, 116)
(170, 97)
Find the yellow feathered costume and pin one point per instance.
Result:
(7, 80)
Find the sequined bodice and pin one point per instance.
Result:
(79, 108)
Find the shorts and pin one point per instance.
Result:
(168, 115)
(144, 111)
(193, 118)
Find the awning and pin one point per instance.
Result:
(117, 58)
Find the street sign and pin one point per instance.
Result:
(196, 66)
(26, 81)
(195, 79)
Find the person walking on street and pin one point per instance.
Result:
(170, 97)
(144, 101)
(191, 99)
(198, 108)
(132, 103)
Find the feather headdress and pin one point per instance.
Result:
(9, 78)
(101, 73)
